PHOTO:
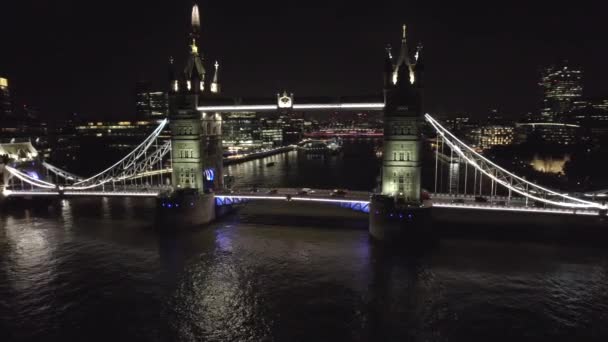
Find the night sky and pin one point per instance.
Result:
(85, 57)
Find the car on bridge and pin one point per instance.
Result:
(338, 193)
(305, 191)
(272, 192)
(481, 199)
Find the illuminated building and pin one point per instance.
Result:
(241, 131)
(150, 104)
(249, 131)
(6, 108)
(549, 164)
(562, 85)
(484, 137)
(272, 137)
(552, 132)
(116, 134)
(593, 120)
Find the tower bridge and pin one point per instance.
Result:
(193, 157)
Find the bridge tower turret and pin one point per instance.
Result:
(401, 165)
(190, 151)
(185, 120)
(398, 212)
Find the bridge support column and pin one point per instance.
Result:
(183, 208)
(391, 223)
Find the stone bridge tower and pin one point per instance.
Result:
(403, 116)
(195, 136)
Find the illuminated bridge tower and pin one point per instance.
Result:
(185, 120)
(196, 136)
(399, 204)
(401, 163)
(189, 142)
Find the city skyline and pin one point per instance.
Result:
(70, 59)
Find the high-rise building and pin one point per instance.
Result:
(241, 131)
(6, 108)
(562, 85)
(150, 104)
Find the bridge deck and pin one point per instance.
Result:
(352, 198)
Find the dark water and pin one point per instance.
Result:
(355, 168)
(100, 270)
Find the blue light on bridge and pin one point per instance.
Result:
(33, 174)
(209, 175)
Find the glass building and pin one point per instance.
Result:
(241, 131)
(150, 104)
(562, 86)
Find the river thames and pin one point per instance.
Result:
(101, 269)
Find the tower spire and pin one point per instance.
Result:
(196, 20)
(195, 72)
(403, 61)
(215, 85)
(388, 67)
(173, 79)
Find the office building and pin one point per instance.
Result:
(150, 104)
(562, 86)
(487, 136)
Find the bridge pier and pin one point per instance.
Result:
(185, 208)
(391, 223)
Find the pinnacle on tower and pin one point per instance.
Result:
(418, 53)
(419, 67)
(173, 80)
(196, 20)
(194, 71)
(388, 67)
(403, 61)
(215, 86)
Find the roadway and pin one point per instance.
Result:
(360, 199)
